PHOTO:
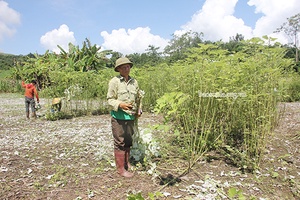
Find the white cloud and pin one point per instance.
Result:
(62, 37)
(132, 41)
(217, 21)
(9, 18)
(275, 14)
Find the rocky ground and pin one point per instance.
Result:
(72, 159)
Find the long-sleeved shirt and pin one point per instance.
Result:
(121, 91)
(30, 91)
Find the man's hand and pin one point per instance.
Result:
(125, 106)
(139, 113)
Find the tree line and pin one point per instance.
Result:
(177, 49)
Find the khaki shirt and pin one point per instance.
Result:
(121, 91)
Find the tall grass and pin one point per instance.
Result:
(291, 83)
(155, 81)
(226, 102)
(7, 84)
(83, 93)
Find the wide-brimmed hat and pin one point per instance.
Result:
(122, 61)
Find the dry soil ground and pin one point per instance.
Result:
(72, 159)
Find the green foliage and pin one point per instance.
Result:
(138, 196)
(156, 195)
(5, 74)
(292, 28)
(86, 59)
(79, 74)
(155, 81)
(238, 158)
(53, 116)
(171, 103)
(227, 99)
(179, 45)
(60, 177)
(7, 84)
(91, 84)
(235, 43)
(38, 186)
(152, 57)
(292, 84)
(8, 61)
(234, 193)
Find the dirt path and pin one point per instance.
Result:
(72, 159)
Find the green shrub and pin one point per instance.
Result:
(292, 85)
(225, 101)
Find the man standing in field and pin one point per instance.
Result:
(30, 92)
(123, 97)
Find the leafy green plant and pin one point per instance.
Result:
(155, 195)
(38, 186)
(170, 104)
(226, 100)
(292, 85)
(60, 177)
(234, 193)
(137, 196)
(53, 116)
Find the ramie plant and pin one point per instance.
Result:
(83, 92)
(226, 102)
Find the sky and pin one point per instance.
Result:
(35, 26)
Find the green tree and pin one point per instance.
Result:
(291, 28)
(179, 44)
(151, 57)
(87, 58)
(154, 55)
(42, 67)
(235, 43)
(8, 61)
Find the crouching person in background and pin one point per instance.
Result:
(56, 105)
(122, 96)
